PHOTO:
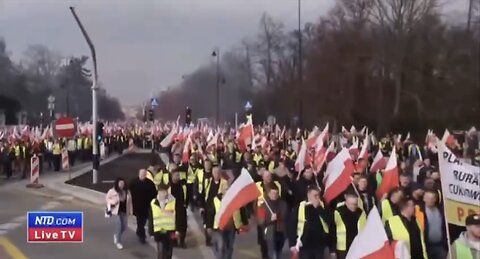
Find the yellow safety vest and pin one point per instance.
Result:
(238, 157)
(237, 219)
(301, 220)
(257, 158)
(192, 175)
(400, 232)
(163, 220)
(271, 166)
(200, 177)
(462, 251)
(56, 149)
(79, 143)
(260, 188)
(290, 155)
(150, 176)
(157, 179)
(342, 229)
(17, 150)
(387, 211)
(208, 183)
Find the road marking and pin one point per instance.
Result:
(20, 220)
(11, 249)
(108, 181)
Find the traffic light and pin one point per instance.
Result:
(99, 132)
(151, 116)
(188, 116)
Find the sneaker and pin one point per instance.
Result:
(119, 246)
(115, 240)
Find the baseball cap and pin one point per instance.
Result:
(473, 219)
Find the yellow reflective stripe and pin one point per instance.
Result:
(400, 232)
(387, 211)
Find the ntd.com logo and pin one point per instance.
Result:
(55, 226)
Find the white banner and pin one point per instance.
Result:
(460, 181)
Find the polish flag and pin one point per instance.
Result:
(245, 137)
(390, 176)
(321, 138)
(363, 156)
(353, 149)
(169, 138)
(186, 149)
(242, 191)
(312, 136)
(371, 242)
(339, 173)
(379, 162)
(302, 154)
(321, 158)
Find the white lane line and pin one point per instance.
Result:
(9, 226)
(20, 220)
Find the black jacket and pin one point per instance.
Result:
(416, 250)
(314, 235)
(142, 193)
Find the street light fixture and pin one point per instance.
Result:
(95, 147)
(216, 53)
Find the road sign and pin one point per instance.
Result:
(154, 102)
(65, 127)
(51, 99)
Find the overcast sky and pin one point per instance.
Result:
(144, 46)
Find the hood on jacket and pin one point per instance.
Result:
(463, 239)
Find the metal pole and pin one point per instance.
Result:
(96, 160)
(300, 66)
(68, 99)
(218, 86)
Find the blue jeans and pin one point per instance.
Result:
(223, 243)
(120, 226)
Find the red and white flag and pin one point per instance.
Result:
(302, 154)
(353, 149)
(390, 176)
(321, 157)
(339, 173)
(245, 137)
(379, 162)
(186, 149)
(313, 136)
(371, 242)
(363, 156)
(242, 191)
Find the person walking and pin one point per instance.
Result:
(162, 221)
(405, 227)
(467, 245)
(312, 236)
(119, 204)
(142, 191)
(271, 217)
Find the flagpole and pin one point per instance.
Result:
(447, 232)
(268, 206)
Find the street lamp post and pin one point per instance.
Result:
(216, 53)
(96, 161)
(300, 65)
